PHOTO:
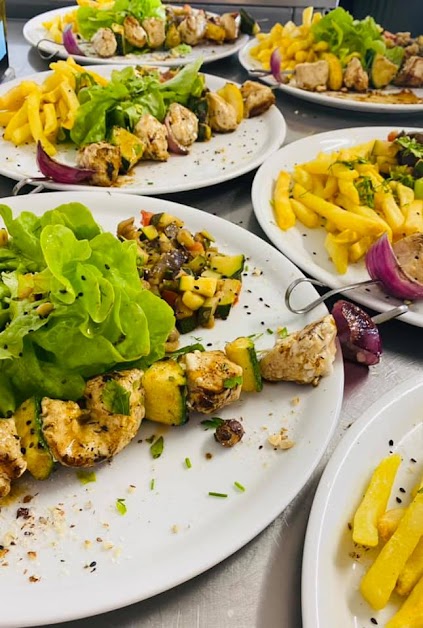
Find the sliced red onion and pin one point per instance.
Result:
(60, 172)
(357, 333)
(172, 143)
(70, 42)
(382, 264)
(275, 65)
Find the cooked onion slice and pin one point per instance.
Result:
(357, 333)
(172, 143)
(60, 172)
(70, 42)
(275, 65)
(399, 268)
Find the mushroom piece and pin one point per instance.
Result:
(229, 433)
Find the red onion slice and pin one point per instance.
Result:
(172, 143)
(60, 172)
(275, 65)
(357, 333)
(382, 264)
(70, 42)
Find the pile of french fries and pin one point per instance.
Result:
(399, 565)
(330, 192)
(58, 23)
(33, 112)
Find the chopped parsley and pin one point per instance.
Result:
(402, 174)
(213, 494)
(188, 463)
(121, 506)
(282, 332)
(213, 423)
(156, 449)
(232, 382)
(85, 477)
(353, 163)
(411, 146)
(189, 349)
(366, 191)
(420, 490)
(152, 483)
(239, 486)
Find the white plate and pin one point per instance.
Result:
(35, 34)
(330, 580)
(325, 99)
(305, 247)
(224, 157)
(175, 531)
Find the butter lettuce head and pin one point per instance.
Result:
(100, 316)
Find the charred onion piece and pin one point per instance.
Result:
(70, 42)
(172, 143)
(229, 433)
(275, 65)
(357, 333)
(60, 172)
(392, 265)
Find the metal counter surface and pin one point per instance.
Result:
(258, 586)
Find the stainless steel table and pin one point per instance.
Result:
(259, 586)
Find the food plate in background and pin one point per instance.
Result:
(35, 34)
(224, 157)
(344, 101)
(331, 577)
(175, 531)
(305, 247)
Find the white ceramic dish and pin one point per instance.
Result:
(330, 577)
(305, 247)
(35, 34)
(176, 531)
(322, 98)
(224, 157)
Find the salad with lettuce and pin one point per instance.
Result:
(71, 305)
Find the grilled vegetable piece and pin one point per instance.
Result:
(131, 147)
(228, 265)
(213, 380)
(104, 159)
(232, 95)
(215, 32)
(257, 98)
(79, 437)
(229, 433)
(304, 356)
(248, 23)
(242, 351)
(122, 46)
(335, 70)
(228, 292)
(35, 451)
(165, 393)
(173, 36)
(382, 71)
(12, 461)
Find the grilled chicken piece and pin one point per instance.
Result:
(257, 98)
(134, 32)
(231, 22)
(183, 124)
(193, 28)
(154, 135)
(83, 437)
(102, 157)
(409, 253)
(222, 115)
(411, 73)
(304, 356)
(12, 462)
(104, 42)
(155, 29)
(211, 380)
(355, 77)
(312, 76)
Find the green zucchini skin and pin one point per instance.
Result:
(165, 393)
(34, 448)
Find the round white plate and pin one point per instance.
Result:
(224, 157)
(305, 247)
(176, 531)
(322, 98)
(330, 577)
(35, 34)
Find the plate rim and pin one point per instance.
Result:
(51, 47)
(331, 280)
(325, 100)
(320, 505)
(130, 598)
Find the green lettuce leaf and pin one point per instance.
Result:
(90, 19)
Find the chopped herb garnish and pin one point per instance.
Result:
(213, 423)
(269, 331)
(152, 483)
(352, 163)
(420, 490)
(255, 337)
(85, 477)
(157, 447)
(403, 175)
(282, 332)
(232, 382)
(239, 486)
(188, 463)
(366, 191)
(116, 398)
(213, 494)
(121, 506)
(151, 438)
(410, 145)
(188, 349)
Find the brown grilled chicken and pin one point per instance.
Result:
(154, 135)
(312, 76)
(104, 159)
(104, 43)
(222, 116)
(134, 32)
(213, 380)
(411, 73)
(231, 23)
(304, 356)
(12, 462)
(355, 77)
(193, 28)
(257, 98)
(183, 124)
(83, 437)
(155, 29)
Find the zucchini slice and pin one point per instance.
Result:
(165, 393)
(230, 266)
(131, 147)
(242, 352)
(34, 448)
(229, 290)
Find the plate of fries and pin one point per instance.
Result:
(363, 555)
(331, 246)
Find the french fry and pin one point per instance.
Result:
(412, 571)
(341, 171)
(405, 197)
(284, 214)
(321, 165)
(348, 236)
(411, 612)
(348, 189)
(50, 120)
(359, 249)
(307, 216)
(33, 100)
(338, 253)
(19, 119)
(303, 177)
(363, 210)
(388, 523)
(393, 214)
(414, 218)
(380, 580)
(5, 117)
(21, 135)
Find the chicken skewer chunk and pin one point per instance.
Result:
(12, 461)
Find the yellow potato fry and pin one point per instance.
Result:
(5, 117)
(412, 571)
(338, 253)
(19, 119)
(379, 581)
(359, 249)
(331, 187)
(50, 122)
(371, 171)
(62, 110)
(348, 189)
(405, 197)
(331, 227)
(303, 177)
(335, 71)
(318, 185)
(321, 165)
(363, 210)
(21, 135)
(284, 213)
(307, 16)
(374, 502)
(342, 218)
(414, 218)
(354, 153)
(69, 96)
(52, 96)
(411, 612)
(34, 119)
(307, 216)
(348, 236)
(391, 211)
(342, 171)
(388, 523)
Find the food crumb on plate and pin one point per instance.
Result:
(281, 440)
